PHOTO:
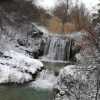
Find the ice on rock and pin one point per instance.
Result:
(72, 71)
(68, 70)
(69, 74)
(17, 69)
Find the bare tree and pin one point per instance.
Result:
(76, 14)
(62, 12)
(80, 16)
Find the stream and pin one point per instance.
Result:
(57, 51)
(23, 93)
(41, 89)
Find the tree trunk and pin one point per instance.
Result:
(63, 24)
(97, 91)
(27, 40)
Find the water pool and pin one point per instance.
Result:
(23, 93)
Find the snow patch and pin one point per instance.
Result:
(68, 70)
(18, 67)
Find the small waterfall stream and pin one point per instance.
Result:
(45, 80)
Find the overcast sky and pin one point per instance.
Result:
(51, 3)
(90, 3)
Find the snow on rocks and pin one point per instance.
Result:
(69, 78)
(18, 68)
(65, 75)
(71, 73)
(68, 70)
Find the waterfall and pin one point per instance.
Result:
(57, 48)
(46, 80)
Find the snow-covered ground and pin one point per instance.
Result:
(17, 68)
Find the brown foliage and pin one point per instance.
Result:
(61, 11)
(80, 17)
(74, 18)
(69, 27)
(55, 25)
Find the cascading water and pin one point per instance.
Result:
(57, 48)
(46, 79)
